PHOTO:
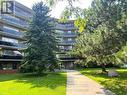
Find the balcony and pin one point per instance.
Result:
(70, 27)
(70, 35)
(20, 45)
(67, 43)
(11, 57)
(22, 15)
(60, 27)
(12, 32)
(65, 50)
(14, 22)
(9, 45)
(6, 43)
(22, 12)
(66, 58)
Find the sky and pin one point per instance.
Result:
(57, 10)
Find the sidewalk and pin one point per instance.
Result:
(78, 84)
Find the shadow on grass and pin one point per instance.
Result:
(116, 84)
(50, 80)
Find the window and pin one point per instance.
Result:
(15, 20)
(12, 31)
(69, 39)
(59, 33)
(68, 25)
(11, 18)
(22, 11)
(9, 40)
(61, 47)
(69, 31)
(8, 52)
(7, 66)
(9, 28)
(70, 47)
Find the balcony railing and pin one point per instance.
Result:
(6, 43)
(15, 21)
(11, 57)
(16, 45)
(69, 34)
(68, 42)
(21, 14)
(64, 56)
(20, 45)
(12, 32)
(65, 50)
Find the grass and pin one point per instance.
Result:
(20, 84)
(117, 85)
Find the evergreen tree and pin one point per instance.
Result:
(41, 40)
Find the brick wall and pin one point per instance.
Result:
(8, 71)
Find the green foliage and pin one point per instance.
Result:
(41, 42)
(81, 24)
(105, 33)
(69, 11)
(54, 2)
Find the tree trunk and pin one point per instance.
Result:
(104, 69)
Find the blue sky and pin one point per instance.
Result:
(59, 7)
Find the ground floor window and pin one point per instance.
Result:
(10, 66)
(7, 66)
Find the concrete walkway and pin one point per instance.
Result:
(78, 84)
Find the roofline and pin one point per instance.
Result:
(24, 7)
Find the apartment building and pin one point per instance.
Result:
(12, 28)
(67, 38)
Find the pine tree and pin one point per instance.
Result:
(42, 45)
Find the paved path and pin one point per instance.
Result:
(78, 84)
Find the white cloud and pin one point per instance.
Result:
(59, 7)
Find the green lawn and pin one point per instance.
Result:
(117, 84)
(20, 84)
